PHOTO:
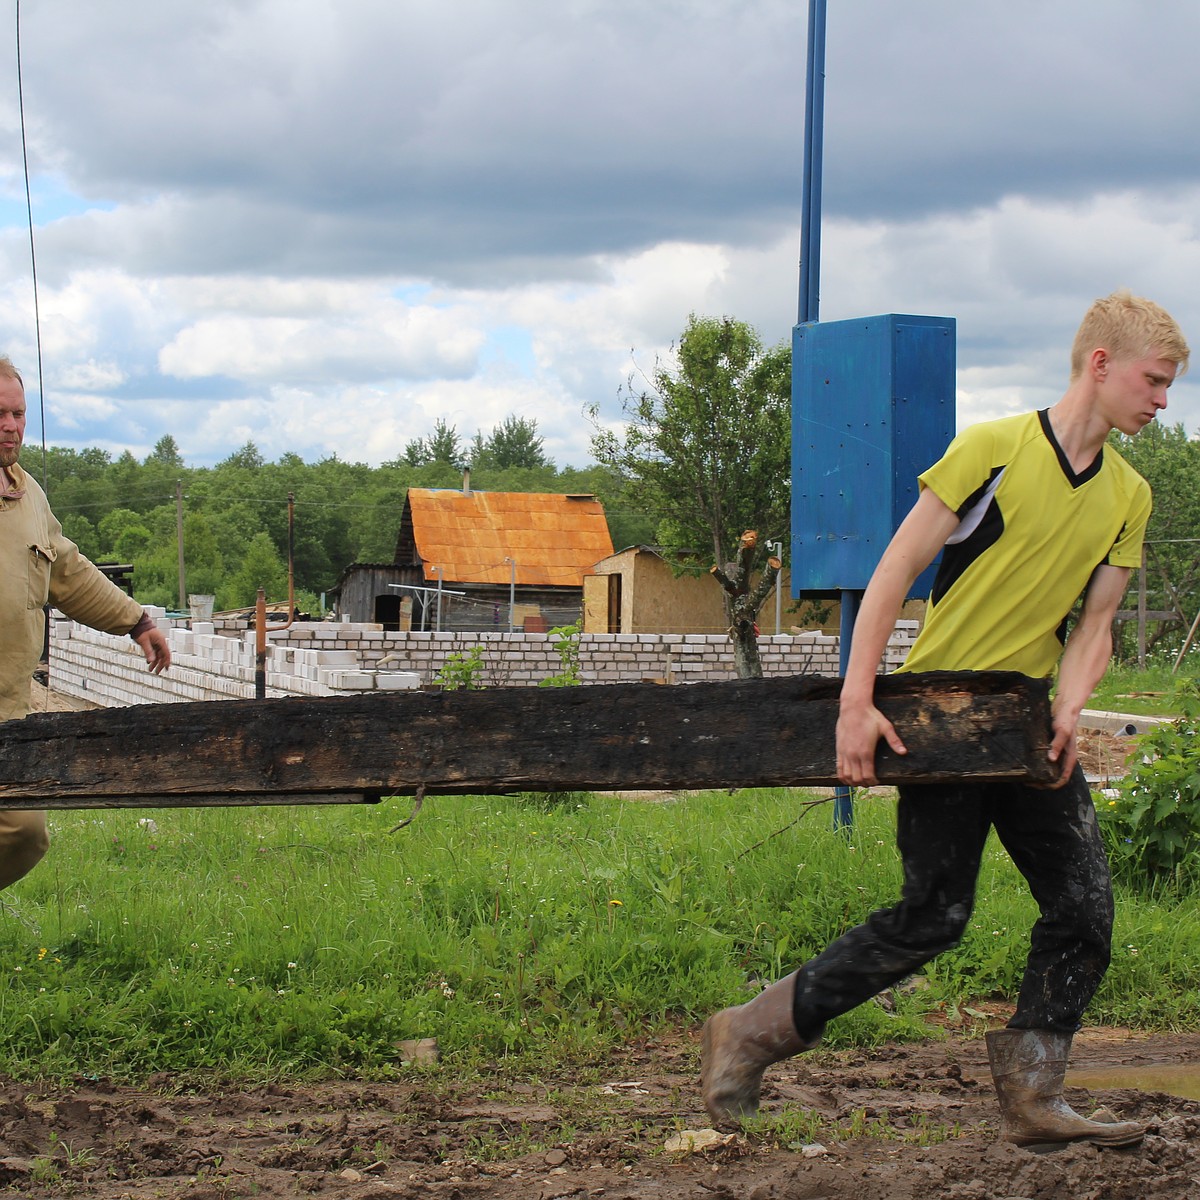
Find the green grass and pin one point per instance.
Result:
(1151, 692)
(291, 942)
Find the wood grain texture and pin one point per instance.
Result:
(744, 733)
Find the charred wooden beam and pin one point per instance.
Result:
(745, 733)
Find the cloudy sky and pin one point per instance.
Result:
(324, 224)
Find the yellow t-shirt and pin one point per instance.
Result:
(1031, 532)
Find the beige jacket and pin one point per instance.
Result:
(38, 565)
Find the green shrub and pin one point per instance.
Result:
(1152, 824)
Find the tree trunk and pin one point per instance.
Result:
(742, 605)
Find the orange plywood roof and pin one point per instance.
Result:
(553, 540)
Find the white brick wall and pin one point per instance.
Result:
(338, 659)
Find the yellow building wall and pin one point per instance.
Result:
(653, 600)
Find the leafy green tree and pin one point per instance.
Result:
(515, 442)
(122, 527)
(166, 452)
(261, 566)
(707, 448)
(1169, 460)
(444, 445)
(247, 458)
(83, 533)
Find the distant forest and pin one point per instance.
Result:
(235, 514)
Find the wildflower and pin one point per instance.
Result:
(291, 966)
(616, 904)
(447, 990)
(42, 953)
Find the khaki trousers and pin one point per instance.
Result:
(24, 839)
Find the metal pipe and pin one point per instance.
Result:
(512, 591)
(777, 547)
(814, 120)
(843, 802)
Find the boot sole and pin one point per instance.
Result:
(1040, 1146)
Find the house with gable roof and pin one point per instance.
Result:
(468, 560)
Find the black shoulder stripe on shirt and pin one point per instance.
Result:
(957, 557)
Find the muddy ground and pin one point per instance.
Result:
(900, 1122)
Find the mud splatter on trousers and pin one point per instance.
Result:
(1053, 838)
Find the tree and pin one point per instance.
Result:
(261, 566)
(515, 442)
(248, 458)
(1169, 460)
(166, 451)
(443, 445)
(707, 448)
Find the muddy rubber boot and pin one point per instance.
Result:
(740, 1043)
(1028, 1068)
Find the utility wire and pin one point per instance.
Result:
(37, 318)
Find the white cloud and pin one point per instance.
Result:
(377, 339)
(324, 227)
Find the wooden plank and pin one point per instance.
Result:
(745, 733)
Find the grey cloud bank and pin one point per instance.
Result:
(287, 208)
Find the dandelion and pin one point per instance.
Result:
(616, 904)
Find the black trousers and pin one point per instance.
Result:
(1054, 840)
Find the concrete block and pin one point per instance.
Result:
(397, 681)
(336, 658)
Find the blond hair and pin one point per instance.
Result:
(8, 371)
(1128, 326)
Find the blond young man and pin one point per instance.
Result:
(39, 566)
(1030, 513)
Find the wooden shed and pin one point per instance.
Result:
(472, 560)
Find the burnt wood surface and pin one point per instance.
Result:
(622, 737)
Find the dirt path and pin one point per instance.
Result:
(901, 1122)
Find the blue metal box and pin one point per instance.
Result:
(872, 407)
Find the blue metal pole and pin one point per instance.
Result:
(810, 291)
(814, 122)
(843, 802)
